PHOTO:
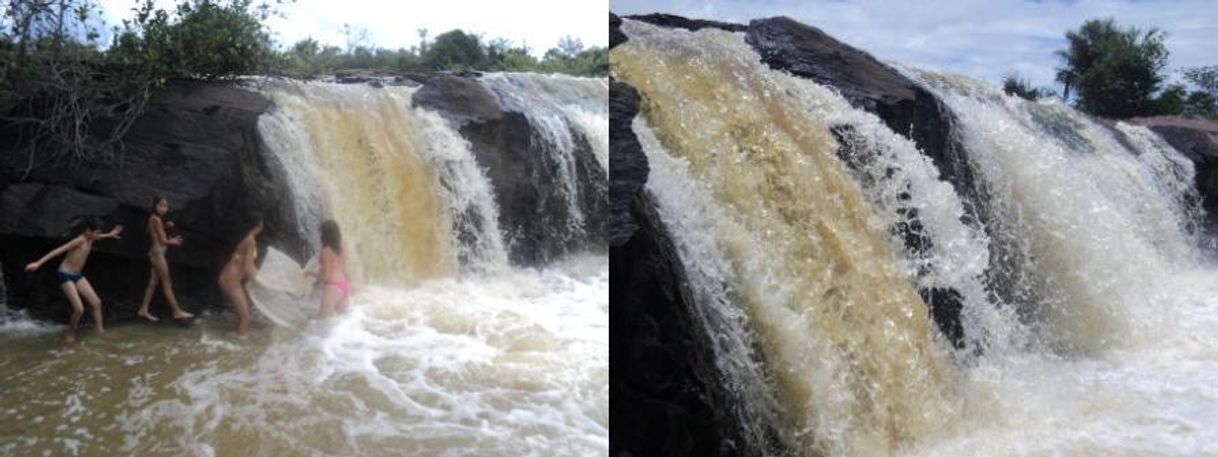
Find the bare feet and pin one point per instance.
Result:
(145, 315)
(182, 315)
(69, 338)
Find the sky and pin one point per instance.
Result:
(394, 24)
(982, 39)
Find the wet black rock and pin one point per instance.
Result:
(665, 394)
(616, 36)
(524, 174)
(628, 166)
(672, 21)
(1197, 139)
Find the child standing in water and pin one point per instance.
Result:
(160, 241)
(239, 269)
(333, 270)
(71, 282)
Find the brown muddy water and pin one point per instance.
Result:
(512, 363)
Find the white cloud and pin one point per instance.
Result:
(983, 39)
(394, 24)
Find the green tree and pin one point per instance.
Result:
(455, 50)
(204, 39)
(1203, 101)
(1112, 71)
(1201, 104)
(1172, 100)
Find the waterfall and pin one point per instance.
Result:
(402, 184)
(854, 359)
(807, 229)
(1104, 226)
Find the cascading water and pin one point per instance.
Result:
(447, 349)
(849, 342)
(1103, 237)
(355, 152)
(568, 113)
(1098, 343)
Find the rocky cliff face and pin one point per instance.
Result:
(197, 144)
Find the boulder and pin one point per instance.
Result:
(514, 155)
(1197, 139)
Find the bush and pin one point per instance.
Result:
(1012, 84)
(455, 50)
(209, 40)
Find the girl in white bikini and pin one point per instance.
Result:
(160, 241)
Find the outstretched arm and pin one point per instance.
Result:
(114, 233)
(55, 253)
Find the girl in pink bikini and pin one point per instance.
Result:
(333, 270)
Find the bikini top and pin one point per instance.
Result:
(237, 256)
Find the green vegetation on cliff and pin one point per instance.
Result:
(67, 95)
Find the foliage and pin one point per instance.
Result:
(1205, 78)
(1204, 101)
(64, 98)
(1113, 72)
(209, 39)
(1172, 100)
(55, 85)
(454, 50)
(1012, 84)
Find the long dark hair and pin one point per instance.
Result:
(330, 236)
(252, 219)
(156, 201)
